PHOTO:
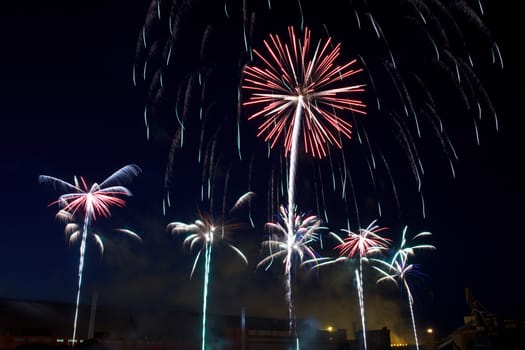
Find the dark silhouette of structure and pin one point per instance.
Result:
(486, 331)
(39, 325)
(376, 339)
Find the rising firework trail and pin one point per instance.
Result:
(398, 270)
(293, 245)
(92, 202)
(365, 243)
(298, 85)
(207, 232)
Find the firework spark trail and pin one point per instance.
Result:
(290, 244)
(359, 280)
(95, 201)
(291, 178)
(73, 232)
(207, 262)
(365, 243)
(398, 270)
(208, 232)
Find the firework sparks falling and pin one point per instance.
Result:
(207, 232)
(292, 244)
(92, 202)
(414, 86)
(398, 270)
(73, 231)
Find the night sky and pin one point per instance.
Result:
(69, 108)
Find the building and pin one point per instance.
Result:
(377, 339)
(24, 324)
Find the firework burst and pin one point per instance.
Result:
(398, 270)
(92, 202)
(292, 244)
(295, 80)
(207, 232)
(365, 243)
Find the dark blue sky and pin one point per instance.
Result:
(69, 108)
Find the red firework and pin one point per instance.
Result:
(295, 77)
(366, 242)
(96, 200)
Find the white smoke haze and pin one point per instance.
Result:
(327, 295)
(155, 275)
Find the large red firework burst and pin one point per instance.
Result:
(294, 77)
